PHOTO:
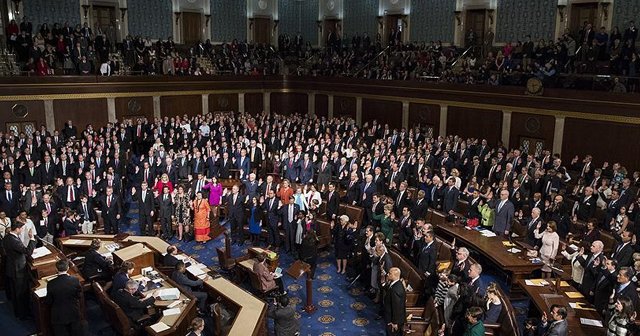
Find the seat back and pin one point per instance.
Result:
(507, 318)
(324, 232)
(355, 213)
(608, 241)
(437, 217)
(225, 263)
(116, 317)
(444, 252)
(410, 274)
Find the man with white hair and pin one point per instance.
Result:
(395, 311)
(532, 224)
(591, 263)
(504, 214)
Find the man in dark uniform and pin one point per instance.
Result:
(16, 268)
(64, 295)
(394, 303)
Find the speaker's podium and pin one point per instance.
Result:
(138, 253)
(296, 270)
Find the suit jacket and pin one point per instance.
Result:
(284, 213)
(94, 264)
(235, 209)
(90, 216)
(243, 164)
(605, 283)
(631, 292)
(145, 205)
(624, 256)
(111, 210)
(63, 295)
(591, 272)
(265, 277)
(531, 229)
(132, 306)
(555, 328)
(333, 203)
(324, 175)
(368, 191)
(450, 199)
(184, 282)
(420, 209)
(170, 260)
(16, 256)
(503, 217)
(223, 168)
(394, 304)
(285, 323)
(165, 207)
(427, 260)
(587, 208)
(10, 207)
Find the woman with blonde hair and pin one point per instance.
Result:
(386, 222)
(494, 304)
(162, 182)
(549, 249)
(197, 327)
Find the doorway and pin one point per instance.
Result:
(103, 16)
(581, 13)
(531, 146)
(475, 20)
(393, 28)
(330, 26)
(191, 28)
(262, 30)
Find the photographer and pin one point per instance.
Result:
(283, 317)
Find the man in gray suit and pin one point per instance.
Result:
(284, 320)
(556, 323)
(504, 214)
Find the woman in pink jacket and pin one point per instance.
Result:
(215, 194)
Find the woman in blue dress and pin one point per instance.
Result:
(255, 218)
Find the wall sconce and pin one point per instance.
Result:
(380, 21)
(123, 12)
(177, 16)
(16, 4)
(458, 15)
(275, 25)
(561, 11)
(490, 14)
(605, 9)
(208, 17)
(86, 10)
(319, 25)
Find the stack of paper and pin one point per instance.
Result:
(536, 282)
(40, 252)
(562, 283)
(514, 250)
(168, 294)
(591, 322)
(574, 295)
(488, 233)
(507, 243)
(195, 270)
(580, 305)
(112, 247)
(159, 327)
(172, 311)
(42, 292)
(73, 242)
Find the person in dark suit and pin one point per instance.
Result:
(532, 227)
(71, 223)
(111, 209)
(427, 262)
(588, 263)
(401, 197)
(325, 170)
(585, 208)
(623, 252)
(87, 214)
(271, 205)
(352, 197)
(164, 203)
(170, 258)
(625, 287)
(187, 285)
(235, 213)
(557, 326)
(283, 315)
(96, 266)
(420, 206)
(504, 214)
(476, 285)
(224, 166)
(64, 295)
(16, 268)
(9, 201)
(145, 201)
(605, 283)
(133, 306)
(451, 196)
(368, 188)
(394, 303)
(333, 201)
(289, 214)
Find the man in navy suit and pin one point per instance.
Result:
(504, 214)
(17, 269)
(271, 205)
(111, 210)
(427, 262)
(145, 201)
(64, 295)
(243, 163)
(9, 201)
(291, 168)
(368, 188)
(289, 214)
(451, 195)
(235, 213)
(475, 282)
(305, 173)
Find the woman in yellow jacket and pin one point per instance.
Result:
(487, 211)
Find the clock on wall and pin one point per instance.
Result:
(331, 5)
(262, 4)
(534, 87)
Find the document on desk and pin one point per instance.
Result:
(42, 292)
(168, 294)
(507, 243)
(574, 295)
(536, 282)
(579, 305)
(514, 250)
(562, 283)
(488, 233)
(159, 327)
(40, 252)
(73, 242)
(591, 322)
(195, 270)
(172, 311)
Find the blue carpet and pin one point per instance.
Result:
(340, 310)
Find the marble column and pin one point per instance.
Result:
(156, 107)
(241, 102)
(111, 109)
(359, 111)
(506, 128)
(311, 103)
(330, 106)
(443, 120)
(205, 103)
(49, 115)
(558, 135)
(266, 102)
(405, 114)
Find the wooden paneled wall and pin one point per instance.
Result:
(171, 106)
(127, 107)
(384, 111)
(344, 107)
(223, 102)
(475, 123)
(81, 112)
(322, 105)
(253, 103)
(426, 115)
(288, 103)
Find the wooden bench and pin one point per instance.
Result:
(410, 274)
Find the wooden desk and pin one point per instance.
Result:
(138, 253)
(543, 297)
(43, 268)
(251, 315)
(492, 248)
(272, 264)
(178, 324)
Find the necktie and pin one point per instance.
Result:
(146, 174)
(48, 208)
(71, 195)
(89, 188)
(109, 202)
(290, 213)
(165, 197)
(9, 196)
(500, 206)
(271, 203)
(86, 213)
